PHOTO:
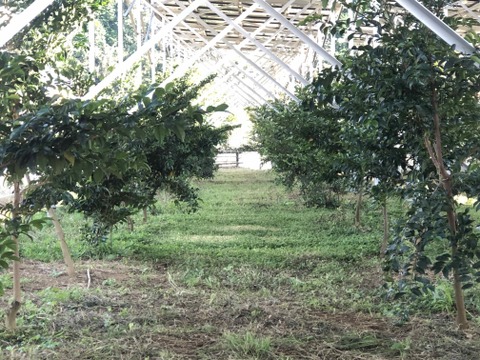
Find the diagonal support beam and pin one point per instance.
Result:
(469, 10)
(240, 54)
(231, 72)
(182, 69)
(18, 22)
(318, 49)
(445, 32)
(264, 73)
(257, 43)
(221, 63)
(137, 55)
(295, 17)
(256, 82)
(259, 99)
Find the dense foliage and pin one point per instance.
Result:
(307, 151)
(407, 106)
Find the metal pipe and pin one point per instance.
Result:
(437, 26)
(318, 49)
(18, 22)
(257, 43)
(137, 55)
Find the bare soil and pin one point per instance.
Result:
(130, 310)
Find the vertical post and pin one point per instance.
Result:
(138, 20)
(120, 31)
(320, 39)
(351, 15)
(153, 58)
(237, 158)
(91, 41)
(333, 44)
(164, 50)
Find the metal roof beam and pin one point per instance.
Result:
(224, 60)
(258, 30)
(253, 80)
(252, 91)
(243, 56)
(18, 22)
(182, 69)
(137, 55)
(266, 23)
(224, 81)
(229, 72)
(256, 42)
(436, 25)
(304, 38)
(282, 27)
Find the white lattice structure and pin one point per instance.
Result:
(258, 47)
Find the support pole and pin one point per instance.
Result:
(120, 31)
(91, 43)
(257, 43)
(18, 22)
(294, 30)
(137, 11)
(432, 22)
(137, 55)
(153, 59)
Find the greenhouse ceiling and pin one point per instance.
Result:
(260, 49)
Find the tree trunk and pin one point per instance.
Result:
(11, 315)
(459, 299)
(130, 223)
(358, 207)
(436, 155)
(384, 245)
(63, 244)
(145, 215)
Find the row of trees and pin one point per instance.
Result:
(402, 111)
(113, 153)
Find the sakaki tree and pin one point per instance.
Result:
(422, 97)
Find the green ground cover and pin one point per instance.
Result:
(252, 275)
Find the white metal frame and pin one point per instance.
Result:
(436, 25)
(18, 22)
(242, 55)
(222, 63)
(304, 38)
(257, 43)
(137, 55)
(182, 69)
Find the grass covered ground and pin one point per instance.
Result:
(252, 275)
